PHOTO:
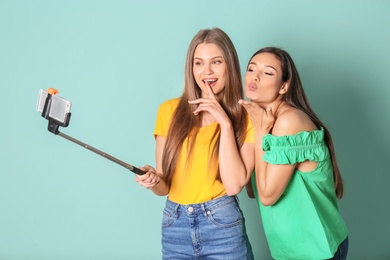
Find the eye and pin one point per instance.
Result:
(249, 69)
(268, 73)
(197, 63)
(217, 62)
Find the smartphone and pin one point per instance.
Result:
(59, 107)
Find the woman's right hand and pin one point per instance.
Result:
(211, 105)
(149, 179)
(262, 119)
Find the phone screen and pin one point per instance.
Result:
(59, 108)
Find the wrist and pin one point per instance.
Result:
(157, 182)
(227, 126)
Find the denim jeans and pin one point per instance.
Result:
(342, 251)
(211, 230)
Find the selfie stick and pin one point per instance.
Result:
(54, 125)
(105, 155)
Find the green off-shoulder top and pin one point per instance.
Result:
(305, 222)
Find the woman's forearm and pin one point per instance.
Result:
(231, 165)
(260, 164)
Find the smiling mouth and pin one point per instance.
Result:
(210, 82)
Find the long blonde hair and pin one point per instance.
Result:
(184, 124)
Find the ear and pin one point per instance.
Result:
(284, 87)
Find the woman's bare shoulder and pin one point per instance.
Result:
(291, 121)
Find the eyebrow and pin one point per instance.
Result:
(268, 66)
(212, 58)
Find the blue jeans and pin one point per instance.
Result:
(342, 251)
(211, 230)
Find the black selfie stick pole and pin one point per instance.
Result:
(54, 125)
(105, 155)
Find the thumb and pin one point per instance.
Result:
(268, 111)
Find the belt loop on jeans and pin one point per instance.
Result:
(176, 210)
(203, 209)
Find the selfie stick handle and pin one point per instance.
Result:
(105, 155)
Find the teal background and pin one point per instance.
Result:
(116, 61)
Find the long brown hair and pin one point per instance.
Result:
(184, 124)
(296, 97)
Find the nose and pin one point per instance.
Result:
(207, 70)
(255, 77)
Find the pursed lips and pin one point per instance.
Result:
(252, 86)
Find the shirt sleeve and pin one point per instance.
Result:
(164, 116)
(250, 133)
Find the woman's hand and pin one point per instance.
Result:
(262, 119)
(149, 179)
(212, 106)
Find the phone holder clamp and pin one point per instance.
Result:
(53, 124)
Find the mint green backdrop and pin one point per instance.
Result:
(117, 61)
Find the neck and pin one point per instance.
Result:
(276, 108)
(275, 105)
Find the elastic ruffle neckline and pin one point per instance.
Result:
(291, 149)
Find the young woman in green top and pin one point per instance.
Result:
(297, 181)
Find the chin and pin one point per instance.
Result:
(218, 91)
(251, 97)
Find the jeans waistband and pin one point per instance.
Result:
(201, 207)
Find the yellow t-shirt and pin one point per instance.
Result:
(197, 182)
